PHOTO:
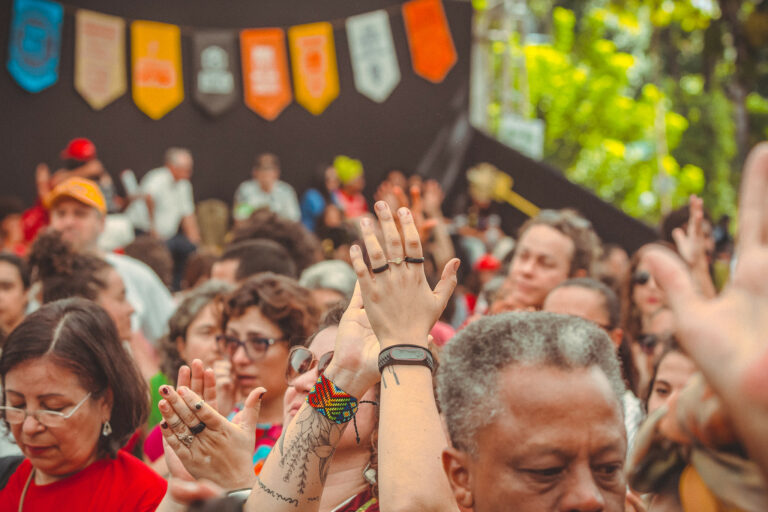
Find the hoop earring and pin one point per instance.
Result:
(106, 429)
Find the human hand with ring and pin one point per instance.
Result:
(398, 301)
(207, 444)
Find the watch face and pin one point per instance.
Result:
(408, 354)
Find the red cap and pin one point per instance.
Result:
(79, 149)
(487, 262)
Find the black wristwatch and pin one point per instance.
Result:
(406, 354)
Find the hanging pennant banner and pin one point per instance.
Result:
(266, 86)
(35, 45)
(215, 87)
(99, 58)
(156, 57)
(429, 37)
(374, 61)
(313, 59)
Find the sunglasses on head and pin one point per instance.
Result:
(641, 277)
(301, 360)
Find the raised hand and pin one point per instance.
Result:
(400, 305)
(690, 242)
(726, 337)
(206, 443)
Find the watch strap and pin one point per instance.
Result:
(386, 358)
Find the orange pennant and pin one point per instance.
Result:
(266, 85)
(156, 54)
(313, 59)
(429, 37)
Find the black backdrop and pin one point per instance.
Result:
(395, 134)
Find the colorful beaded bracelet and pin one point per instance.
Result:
(331, 401)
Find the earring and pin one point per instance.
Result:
(106, 429)
(369, 474)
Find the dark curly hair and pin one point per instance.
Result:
(280, 299)
(301, 244)
(65, 273)
(79, 335)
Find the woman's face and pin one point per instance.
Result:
(55, 452)
(269, 370)
(201, 338)
(113, 300)
(13, 297)
(673, 373)
(647, 298)
(296, 395)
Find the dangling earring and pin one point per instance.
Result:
(369, 474)
(106, 429)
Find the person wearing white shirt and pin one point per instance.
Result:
(171, 208)
(265, 190)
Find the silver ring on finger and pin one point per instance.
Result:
(186, 439)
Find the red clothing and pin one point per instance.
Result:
(363, 502)
(124, 483)
(353, 206)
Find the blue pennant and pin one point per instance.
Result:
(35, 45)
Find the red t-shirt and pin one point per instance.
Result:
(124, 483)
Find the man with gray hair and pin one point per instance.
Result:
(533, 407)
(171, 207)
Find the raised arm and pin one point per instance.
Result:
(726, 336)
(402, 309)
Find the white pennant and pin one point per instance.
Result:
(374, 61)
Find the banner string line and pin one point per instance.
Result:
(337, 23)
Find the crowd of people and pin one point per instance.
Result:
(336, 355)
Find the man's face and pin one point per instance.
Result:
(182, 167)
(557, 444)
(79, 224)
(542, 261)
(266, 177)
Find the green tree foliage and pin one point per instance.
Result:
(636, 99)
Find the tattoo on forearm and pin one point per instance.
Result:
(316, 437)
(394, 374)
(277, 495)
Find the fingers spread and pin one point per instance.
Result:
(202, 410)
(180, 406)
(753, 209)
(175, 425)
(445, 287)
(361, 269)
(209, 386)
(672, 276)
(389, 229)
(410, 233)
(375, 252)
(196, 384)
(185, 376)
(252, 409)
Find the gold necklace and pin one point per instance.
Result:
(26, 486)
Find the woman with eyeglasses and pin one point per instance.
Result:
(261, 321)
(72, 397)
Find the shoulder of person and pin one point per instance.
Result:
(135, 270)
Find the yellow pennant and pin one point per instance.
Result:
(99, 57)
(156, 64)
(313, 59)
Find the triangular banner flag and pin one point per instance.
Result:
(99, 58)
(35, 45)
(266, 86)
(429, 37)
(372, 50)
(156, 56)
(313, 59)
(215, 61)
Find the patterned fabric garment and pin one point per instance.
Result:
(266, 437)
(363, 502)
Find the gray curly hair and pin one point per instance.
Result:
(471, 362)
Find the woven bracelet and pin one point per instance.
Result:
(331, 401)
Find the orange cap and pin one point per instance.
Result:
(80, 189)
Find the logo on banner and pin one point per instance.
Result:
(265, 71)
(156, 52)
(429, 37)
(35, 43)
(99, 58)
(215, 87)
(315, 75)
(374, 62)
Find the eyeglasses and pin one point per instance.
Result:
(50, 419)
(301, 360)
(255, 347)
(641, 277)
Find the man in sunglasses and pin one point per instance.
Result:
(553, 246)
